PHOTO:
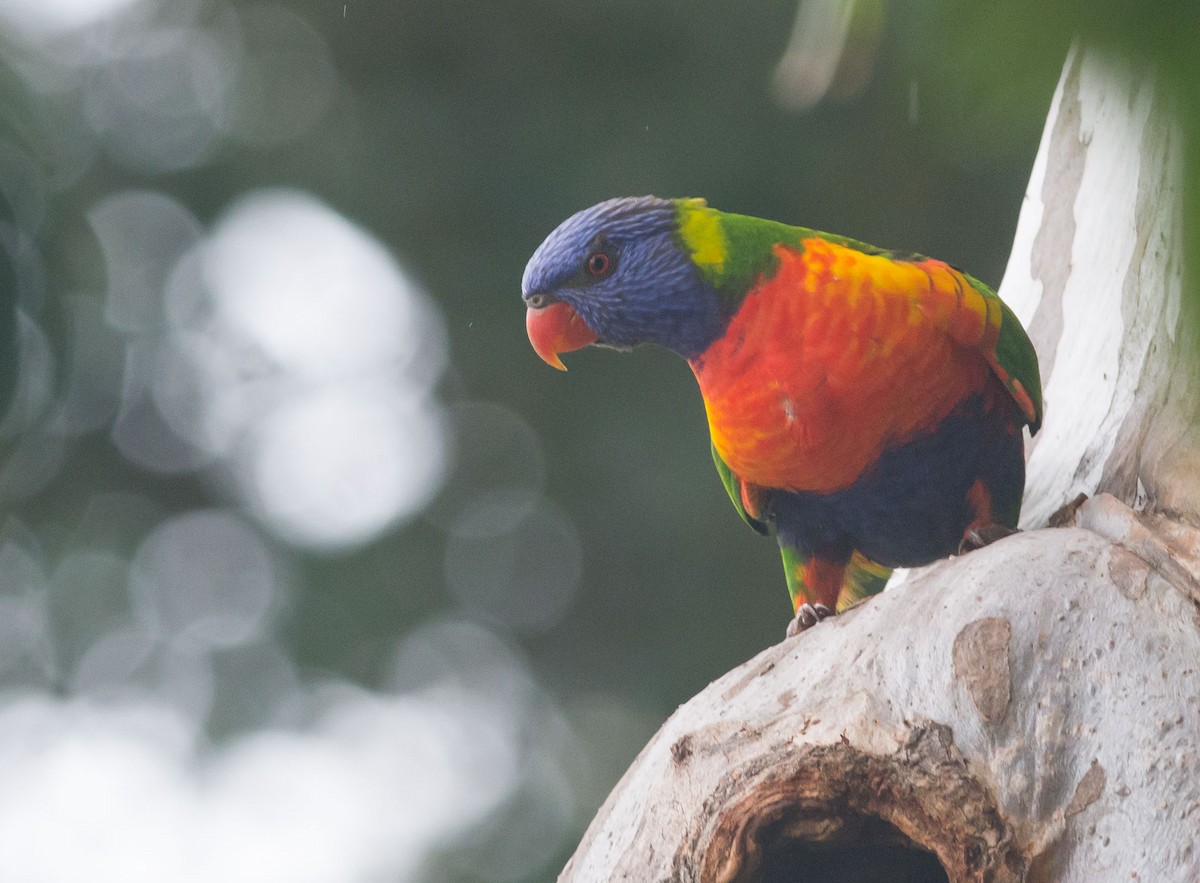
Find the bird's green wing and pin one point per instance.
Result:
(733, 486)
(971, 313)
(1014, 360)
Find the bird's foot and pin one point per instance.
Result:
(984, 535)
(807, 615)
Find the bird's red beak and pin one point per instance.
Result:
(557, 329)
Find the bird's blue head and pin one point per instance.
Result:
(618, 275)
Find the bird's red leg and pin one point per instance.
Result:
(983, 529)
(814, 583)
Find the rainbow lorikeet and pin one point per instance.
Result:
(865, 404)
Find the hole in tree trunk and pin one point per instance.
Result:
(805, 863)
(875, 852)
(833, 814)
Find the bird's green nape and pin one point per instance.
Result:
(735, 252)
(732, 251)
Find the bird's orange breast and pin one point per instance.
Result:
(832, 359)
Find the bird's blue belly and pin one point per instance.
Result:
(912, 506)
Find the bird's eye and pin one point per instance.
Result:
(599, 264)
(537, 301)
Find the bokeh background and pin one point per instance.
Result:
(309, 569)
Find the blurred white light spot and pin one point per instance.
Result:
(514, 846)
(524, 575)
(287, 348)
(47, 18)
(135, 665)
(142, 235)
(259, 803)
(212, 388)
(320, 297)
(303, 357)
(159, 86)
(464, 659)
(205, 577)
(336, 467)
(462, 654)
(142, 432)
(110, 783)
(155, 106)
(113, 661)
(368, 787)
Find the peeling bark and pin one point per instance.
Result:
(981, 665)
(1029, 711)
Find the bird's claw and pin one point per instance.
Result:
(985, 535)
(807, 615)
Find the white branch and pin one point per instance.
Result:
(1096, 273)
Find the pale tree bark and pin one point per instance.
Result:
(1029, 711)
